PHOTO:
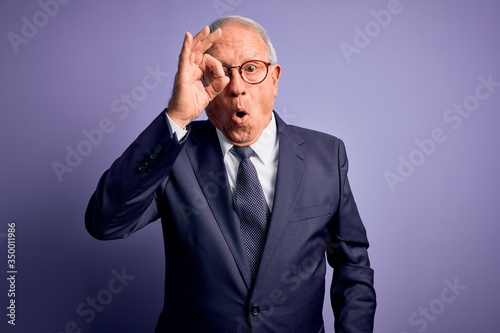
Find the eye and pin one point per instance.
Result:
(250, 68)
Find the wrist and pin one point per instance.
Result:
(179, 131)
(181, 123)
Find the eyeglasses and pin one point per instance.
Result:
(252, 72)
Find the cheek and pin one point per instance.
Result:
(214, 118)
(213, 107)
(216, 114)
(266, 98)
(218, 103)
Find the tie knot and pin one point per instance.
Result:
(243, 152)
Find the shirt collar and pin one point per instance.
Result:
(263, 147)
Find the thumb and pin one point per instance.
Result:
(217, 86)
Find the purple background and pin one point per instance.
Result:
(439, 226)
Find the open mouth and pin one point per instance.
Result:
(240, 114)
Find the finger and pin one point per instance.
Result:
(215, 79)
(211, 66)
(205, 39)
(202, 34)
(186, 48)
(216, 87)
(193, 48)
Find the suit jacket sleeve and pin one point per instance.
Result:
(126, 196)
(352, 293)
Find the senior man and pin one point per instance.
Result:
(249, 205)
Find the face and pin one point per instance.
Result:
(242, 111)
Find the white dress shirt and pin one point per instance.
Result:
(265, 158)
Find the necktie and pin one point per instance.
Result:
(251, 208)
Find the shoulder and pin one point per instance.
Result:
(201, 128)
(309, 137)
(309, 134)
(198, 125)
(317, 145)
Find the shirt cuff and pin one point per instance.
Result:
(181, 133)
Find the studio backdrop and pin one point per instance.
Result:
(411, 86)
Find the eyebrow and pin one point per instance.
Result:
(250, 59)
(247, 58)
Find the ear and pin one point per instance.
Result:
(275, 76)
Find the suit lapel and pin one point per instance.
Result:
(206, 156)
(292, 161)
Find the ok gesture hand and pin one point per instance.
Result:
(190, 96)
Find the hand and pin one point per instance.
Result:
(190, 97)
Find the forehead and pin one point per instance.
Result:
(239, 43)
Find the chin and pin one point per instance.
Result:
(242, 139)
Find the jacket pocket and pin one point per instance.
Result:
(311, 212)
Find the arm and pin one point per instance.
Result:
(352, 293)
(126, 198)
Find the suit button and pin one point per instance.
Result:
(254, 310)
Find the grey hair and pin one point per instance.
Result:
(271, 52)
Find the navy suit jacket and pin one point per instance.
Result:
(208, 285)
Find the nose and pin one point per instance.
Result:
(236, 85)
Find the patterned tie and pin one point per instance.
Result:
(251, 208)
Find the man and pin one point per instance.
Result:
(231, 267)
